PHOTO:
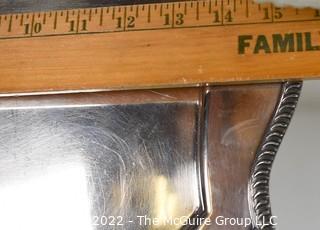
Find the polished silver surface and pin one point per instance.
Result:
(148, 159)
(98, 161)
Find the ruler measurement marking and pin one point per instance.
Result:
(67, 17)
(113, 12)
(101, 16)
(32, 25)
(124, 19)
(185, 8)
(55, 21)
(44, 18)
(206, 7)
(22, 19)
(90, 15)
(10, 24)
(78, 22)
(147, 29)
(197, 9)
(149, 13)
(222, 12)
(173, 15)
(247, 8)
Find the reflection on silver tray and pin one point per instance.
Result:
(77, 161)
(148, 159)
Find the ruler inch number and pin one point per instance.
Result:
(153, 45)
(167, 15)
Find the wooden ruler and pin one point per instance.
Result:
(157, 45)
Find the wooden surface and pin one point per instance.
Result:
(204, 49)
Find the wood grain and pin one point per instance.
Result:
(175, 57)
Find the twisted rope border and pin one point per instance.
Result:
(259, 197)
